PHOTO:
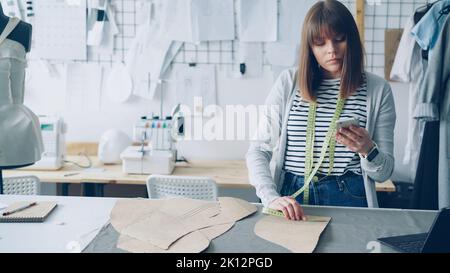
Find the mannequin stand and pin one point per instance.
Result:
(1, 182)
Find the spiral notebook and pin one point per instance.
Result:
(37, 213)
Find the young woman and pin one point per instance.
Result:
(314, 161)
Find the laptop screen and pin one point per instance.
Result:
(438, 240)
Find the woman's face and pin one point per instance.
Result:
(329, 53)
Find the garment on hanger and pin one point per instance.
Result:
(401, 68)
(20, 134)
(427, 30)
(409, 67)
(421, 11)
(434, 104)
(418, 14)
(425, 193)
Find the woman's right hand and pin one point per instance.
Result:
(290, 208)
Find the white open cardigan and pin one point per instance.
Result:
(272, 130)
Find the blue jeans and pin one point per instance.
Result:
(345, 190)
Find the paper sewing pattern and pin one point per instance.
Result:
(177, 20)
(213, 20)
(147, 231)
(198, 81)
(297, 236)
(194, 21)
(194, 242)
(291, 17)
(189, 225)
(258, 20)
(284, 52)
(101, 34)
(150, 54)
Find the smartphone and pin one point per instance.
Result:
(346, 122)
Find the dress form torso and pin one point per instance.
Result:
(21, 34)
(20, 135)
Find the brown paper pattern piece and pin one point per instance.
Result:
(297, 236)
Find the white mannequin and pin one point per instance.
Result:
(112, 144)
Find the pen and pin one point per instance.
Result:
(70, 174)
(19, 209)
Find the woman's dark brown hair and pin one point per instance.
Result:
(325, 20)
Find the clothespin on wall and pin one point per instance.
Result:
(242, 68)
(29, 9)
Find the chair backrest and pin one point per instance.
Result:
(194, 187)
(22, 185)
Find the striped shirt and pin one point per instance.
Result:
(327, 96)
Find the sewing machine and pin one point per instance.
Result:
(156, 153)
(53, 131)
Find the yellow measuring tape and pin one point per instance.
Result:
(330, 140)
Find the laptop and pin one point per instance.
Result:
(437, 240)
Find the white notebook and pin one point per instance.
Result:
(37, 213)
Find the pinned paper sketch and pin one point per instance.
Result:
(119, 85)
(147, 76)
(213, 20)
(284, 52)
(292, 13)
(297, 236)
(194, 21)
(96, 24)
(176, 18)
(175, 225)
(170, 56)
(149, 57)
(102, 28)
(258, 20)
(196, 82)
(83, 85)
(60, 30)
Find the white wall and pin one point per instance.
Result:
(46, 95)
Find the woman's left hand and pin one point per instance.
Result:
(357, 139)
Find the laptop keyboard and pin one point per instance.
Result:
(411, 247)
(407, 243)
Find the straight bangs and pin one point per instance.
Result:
(325, 25)
(325, 20)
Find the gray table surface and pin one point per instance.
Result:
(351, 230)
